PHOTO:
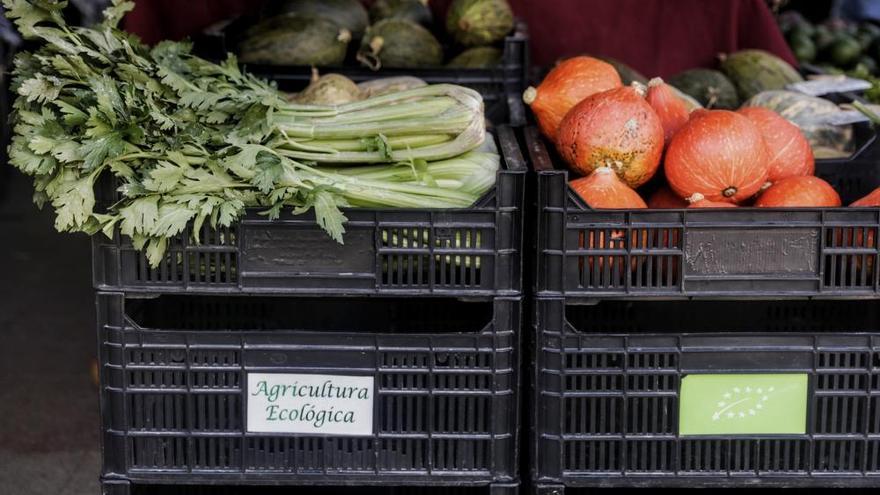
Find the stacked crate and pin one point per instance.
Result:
(420, 307)
(710, 348)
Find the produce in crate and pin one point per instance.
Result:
(389, 85)
(603, 189)
(413, 10)
(718, 154)
(799, 192)
(479, 22)
(672, 111)
(754, 71)
(348, 14)
(835, 46)
(790, 152)
(699, 201)
(481, 57)
(399, 43)
(295, 39)
(809, 114)
(616, 129)
(329, 89)
(664, 198)
(871, 200)
(189, 141)
(709, 87)
(569, 83)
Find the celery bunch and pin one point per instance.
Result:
(189, 141)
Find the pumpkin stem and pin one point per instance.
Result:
(653, 83)
(640, 88)
(530, 95)
(729, 192)
(696, 197)
(372, 59)
(376, 44)
(344, 36)
(315, 74)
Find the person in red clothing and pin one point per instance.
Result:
(657, 37)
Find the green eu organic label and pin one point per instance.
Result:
(743, 404)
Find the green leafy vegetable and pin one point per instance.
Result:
(189, 142)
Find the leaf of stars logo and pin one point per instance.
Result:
(740, 403)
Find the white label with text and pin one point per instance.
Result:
(315, 404)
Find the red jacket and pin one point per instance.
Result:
(657, 37)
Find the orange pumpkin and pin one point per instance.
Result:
(665, 198)
(603, 189)
(567, 85)
(790, 152)
(718, 154)
(871, 200)
(615, 129)
(799, 192)
(669, 107)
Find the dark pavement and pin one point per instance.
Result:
(48, 401)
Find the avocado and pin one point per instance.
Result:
(865, 39)
(866, 68)
(823, 38)
(803, 47)
(845, 51)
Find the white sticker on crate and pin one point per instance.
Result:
(313, 404)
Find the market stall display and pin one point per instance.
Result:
(336, 212)
(648, 212)
(236, 228)
(744, 158)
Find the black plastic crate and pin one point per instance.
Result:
(744, 252)
(608, 393)
(112, 488)
(174, 390)
(473, 252)
(501, 86)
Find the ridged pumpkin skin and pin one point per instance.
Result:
(753, 71)
(799, 192)
(790, 152)
(669, 107)
(615, 129)
(718, 154)
(295, 39)
(604, 190)
(664, 198)
(479, 22)
(871, 200)
(568, 84)
(399, 43)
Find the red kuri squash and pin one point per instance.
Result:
(790, 152)
(669, 107)
(718, 154)
(567, 85)
(871, 200)
(616, 129)
(799, 192)
(603, 189)
(665, 198)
